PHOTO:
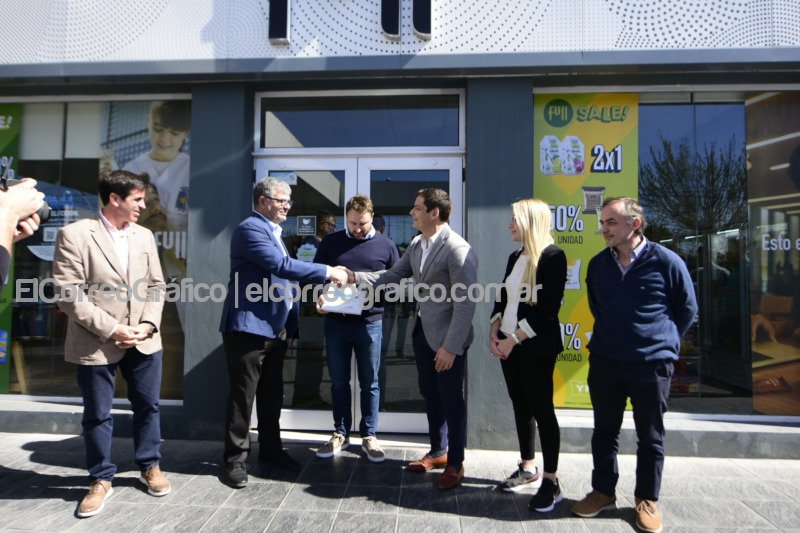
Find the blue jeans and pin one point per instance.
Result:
(143, 374)
(343, 337)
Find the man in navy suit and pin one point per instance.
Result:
(255, 329)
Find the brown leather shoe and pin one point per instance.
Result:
(647, 516)
(427, 463)
(450, 478)
(156, 482)
(95, 499)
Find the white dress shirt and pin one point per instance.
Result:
(427, 243)
(120, 239)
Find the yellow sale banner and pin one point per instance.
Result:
(587, 150)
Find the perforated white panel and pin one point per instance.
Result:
(754, 30)
(80, 30)
(458, 26)
(656, 24)
(786, 22)
(46, 31)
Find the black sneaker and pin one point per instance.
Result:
(520, 479)
(547, 497)
(281, 459)
(236, 475)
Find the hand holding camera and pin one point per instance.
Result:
(22, 207)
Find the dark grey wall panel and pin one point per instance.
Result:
(221, 178)
(499, 170)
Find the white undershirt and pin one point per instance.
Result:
(508, 325)
(427, 243)
(120, 239)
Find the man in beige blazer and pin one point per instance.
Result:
(112, 289)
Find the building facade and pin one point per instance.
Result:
(693, 107)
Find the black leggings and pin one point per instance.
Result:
(529, 378)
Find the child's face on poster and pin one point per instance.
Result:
(166, 142)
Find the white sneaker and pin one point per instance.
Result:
(337, 443)
(373, 449)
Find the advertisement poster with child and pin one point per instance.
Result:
(151, 139)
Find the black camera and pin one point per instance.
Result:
(43, 212)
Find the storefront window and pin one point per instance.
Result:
(693, 186)
(64, 146)
(344, 121)
(773, 172)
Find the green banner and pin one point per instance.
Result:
(9, 154)
(587, 149)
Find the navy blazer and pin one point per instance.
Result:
(256, 257)
(551, 273)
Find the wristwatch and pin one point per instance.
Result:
(516, 338)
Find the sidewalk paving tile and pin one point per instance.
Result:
(239, 520)
(42, 482)
(184, 518)
(122, 517)
(371, 499)
(380, 523)
(317, 521)
(258, 496)
(316, 497)
(728, 513)
(781, 514)
(427, 524)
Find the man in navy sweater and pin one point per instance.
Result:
(642, 299)
(358, 247)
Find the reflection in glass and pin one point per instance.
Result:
(345, 121)
(39, 327)
(693, 188)
(66, 166)
(317, 195)
(773, 157)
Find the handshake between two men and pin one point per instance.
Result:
(341, 276)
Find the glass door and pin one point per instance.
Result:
(320, 189)
(392, 183)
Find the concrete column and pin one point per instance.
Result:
(499, 170)
(220, 197)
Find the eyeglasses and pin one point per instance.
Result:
(287, 203)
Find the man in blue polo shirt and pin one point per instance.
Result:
(358, 247)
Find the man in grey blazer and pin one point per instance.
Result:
(112, 289)
(443, 266)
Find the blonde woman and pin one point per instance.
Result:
(526, 337)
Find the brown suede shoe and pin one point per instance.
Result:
(95, 499)
(647, 516)
(593, 504)
(451, 478)
(427, 463)
(156, 482)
